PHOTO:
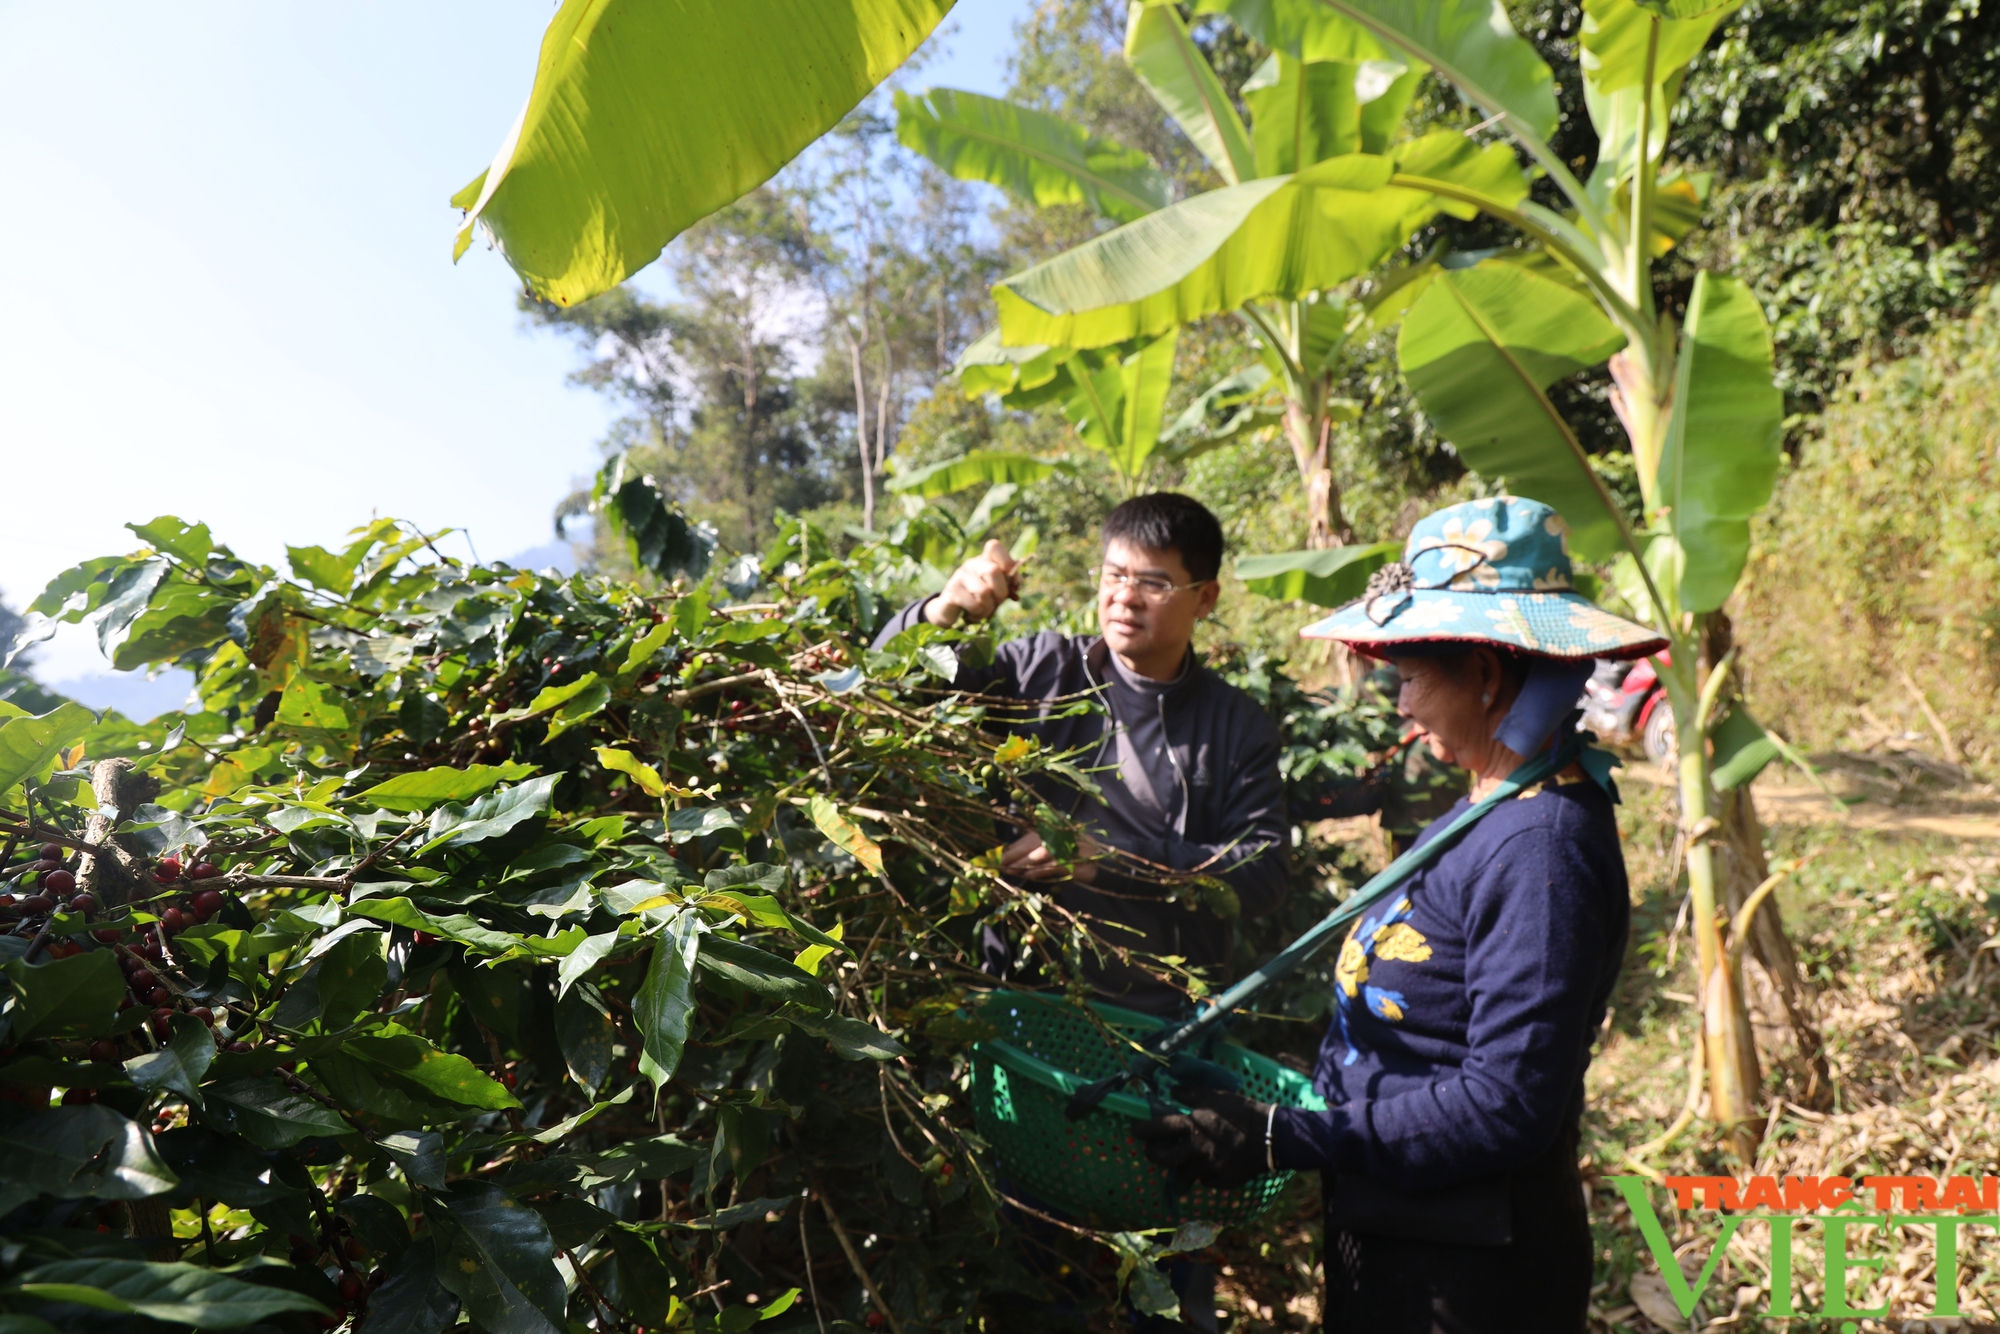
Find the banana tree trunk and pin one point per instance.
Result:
(1643, 399)
(1731, 1048)
(1310, 435)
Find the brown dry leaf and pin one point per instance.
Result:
(1655, 1300)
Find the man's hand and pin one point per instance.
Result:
(977, 588)
(1028, 858)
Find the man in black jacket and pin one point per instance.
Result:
(1188, 764)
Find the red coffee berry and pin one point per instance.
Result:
(239, 1047)
(207, 904)
(168, 870)
(203, 1013)
(143, 979)
(79, 1097)
(151, 950)
(83, 903)
(37, 904)
(108, 934)
(353, 1250)
(426, 938)
(163, 1022)
(6, 900)
(104, 1049)
(60, 882)
(303, 1255)
(159, 996)
(173, 921)
(351, 1286)
(204, 871)
(43, 867)
(50, 852)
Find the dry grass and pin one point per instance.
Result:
(1898, 932)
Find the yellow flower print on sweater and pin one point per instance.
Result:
(1385, 936)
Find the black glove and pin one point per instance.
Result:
(1223, 1142)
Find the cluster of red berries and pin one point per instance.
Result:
(199, 906)
(354, 1289)
(47, 882)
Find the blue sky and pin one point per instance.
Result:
(231, 294)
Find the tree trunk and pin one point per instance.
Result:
(1309, 435)
(1780, 1005)
(861, 434)
(113, 874)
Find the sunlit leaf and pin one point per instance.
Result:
(645, 118)
(1480, 348)
(29, 744)
(1279, 236)
(1725, 441)
(1327, 578)
(641, 773)
(1163, 54)
(980, 466)
(426, 788)
(1473, 45)
(1038, 158)
(845, 834)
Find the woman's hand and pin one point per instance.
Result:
(1224, 1142)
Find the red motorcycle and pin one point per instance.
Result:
(1625, 704)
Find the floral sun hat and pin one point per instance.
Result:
(1485, 572)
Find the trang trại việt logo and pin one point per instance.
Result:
(1838, 1206)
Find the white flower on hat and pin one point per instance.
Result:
(1467, 552)
(1597, 626)
(1428, 614)
(1508, 619)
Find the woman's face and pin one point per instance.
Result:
(1452, 701)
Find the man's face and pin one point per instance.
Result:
(1147, 624)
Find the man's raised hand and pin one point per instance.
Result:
(977, 588)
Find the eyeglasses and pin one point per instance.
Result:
(1151, 587)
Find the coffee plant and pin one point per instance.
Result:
(484, 947)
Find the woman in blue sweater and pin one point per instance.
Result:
(1466, 1004)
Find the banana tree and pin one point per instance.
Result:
(1325, 107)
(645, 118)
(1483, 342)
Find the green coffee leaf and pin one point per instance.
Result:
(78, 1153)
(765, 974)
(269, 1115)
(75, 996)
(497, 1255)
(661, 1008)
(438, 1073)
(422, 790)
(411, 1300)
(180, 1064)
(851, 1039)
(182, 1294)
(845, 834)
(585, 1031)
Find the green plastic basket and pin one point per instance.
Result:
(1094, 1169)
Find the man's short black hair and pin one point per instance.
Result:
(1167, 521)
